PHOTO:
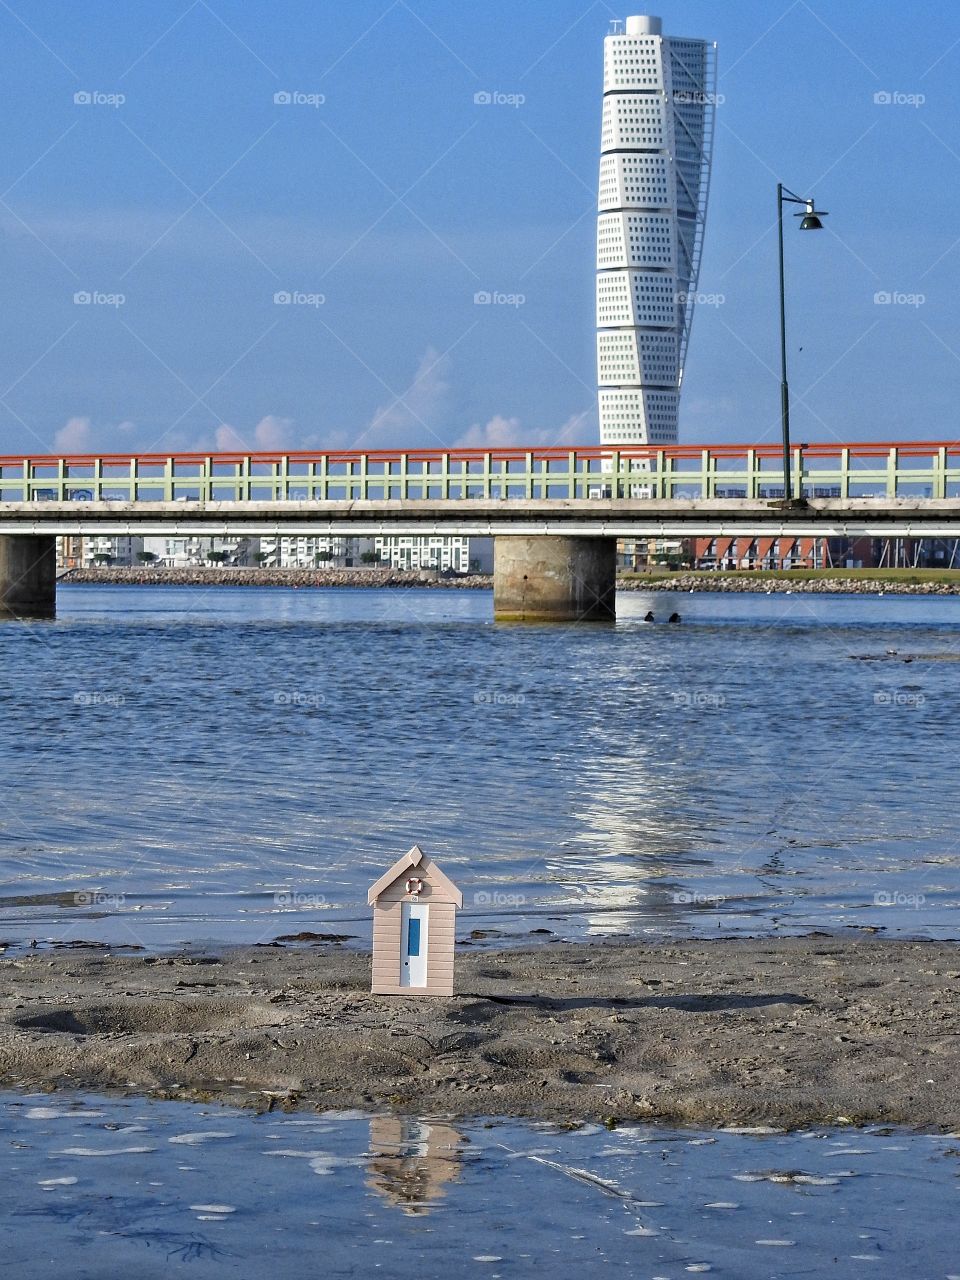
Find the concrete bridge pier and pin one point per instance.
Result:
(554, 579)
(28, 575)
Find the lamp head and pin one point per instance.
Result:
(811, 219)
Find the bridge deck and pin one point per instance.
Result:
(620, 518)
(910, 487)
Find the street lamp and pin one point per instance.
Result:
(810, 221)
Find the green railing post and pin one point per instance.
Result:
(940, 475)
(616, 462)
(659, 482)
(950, 474)
(98, 479)
(529, 486)
(133, 488)
(844, 473)
(667, 476)
(404, 478)
(488, 476)
(25, 490)
(283, 478)
(753, 476)
(707, 482)
(169, 480)
(893, 462)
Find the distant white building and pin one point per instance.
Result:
(311, 551)
(188, 552)
(443, 553)
(104, 549)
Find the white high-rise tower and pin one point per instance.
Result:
(658, 108)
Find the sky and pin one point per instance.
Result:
(232, 224)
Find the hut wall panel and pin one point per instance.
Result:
(387, 939)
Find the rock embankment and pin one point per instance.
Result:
(782, 1031)
(845, 586)
(204, 576)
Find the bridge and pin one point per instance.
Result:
(555, 513)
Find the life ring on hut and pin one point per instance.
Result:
(414, 886)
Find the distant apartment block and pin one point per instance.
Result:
(436, 551)
(188, 552)
(121, 551)
(313, 552)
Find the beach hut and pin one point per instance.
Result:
(414, 914)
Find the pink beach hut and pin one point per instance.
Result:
(414, 917)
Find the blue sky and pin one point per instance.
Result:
(197, 198)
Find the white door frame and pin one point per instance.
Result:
(413, 965)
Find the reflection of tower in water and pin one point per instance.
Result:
(639, 804)
(411, 1161)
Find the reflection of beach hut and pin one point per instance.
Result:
(412, 1161)
(414, 913)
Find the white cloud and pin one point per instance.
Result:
(269, 434)
(275, 433)
(74, 436)
(394, 425)
(416, 416)
(78, 435)
(499, 431)
(228, 440)
(502, 433)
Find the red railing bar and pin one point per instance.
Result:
(857, 449)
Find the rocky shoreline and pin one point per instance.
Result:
(785, 1032)
(203, 576)
(852, 585)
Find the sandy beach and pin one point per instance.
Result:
(780, 1032)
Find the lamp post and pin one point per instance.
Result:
(810, 221)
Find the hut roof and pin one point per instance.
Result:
(415, 857)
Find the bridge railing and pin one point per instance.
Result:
(914, 469)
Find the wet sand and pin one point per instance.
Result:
(780, 1032)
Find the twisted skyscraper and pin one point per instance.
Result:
(658, 106)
